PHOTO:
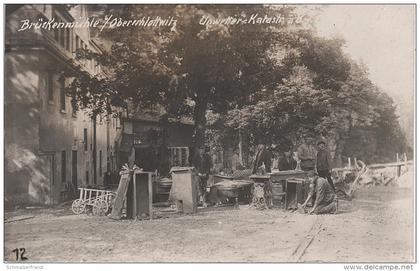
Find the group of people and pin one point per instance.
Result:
(317, 162)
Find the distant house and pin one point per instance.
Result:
(158, 144)
(50, 148)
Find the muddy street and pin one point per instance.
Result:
(376, 226)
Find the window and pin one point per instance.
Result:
(50, 87)
(62, 95)
(68, 36)
(74, 107)
(100, 163)
(56, 31)
(85, 139)
(63, 166)
(62, 36)
(77, 42)
(179, 156)
(74, 103)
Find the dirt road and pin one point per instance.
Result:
(376, 226)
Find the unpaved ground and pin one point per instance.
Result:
(376, 226)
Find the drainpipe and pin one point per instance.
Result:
(94, 150)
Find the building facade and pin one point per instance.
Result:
(51, 148)
(155, 143)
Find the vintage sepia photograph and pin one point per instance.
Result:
(209, 133)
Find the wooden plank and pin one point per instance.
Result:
(395, 164)
(120, 197)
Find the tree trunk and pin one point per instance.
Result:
(244, 148)
(199, 125)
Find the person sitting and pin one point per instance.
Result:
(325, 199)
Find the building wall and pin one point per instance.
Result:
(39, 133)
(22, 168)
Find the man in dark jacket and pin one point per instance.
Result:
(286, 161)
(203, 163)
(263, 157)
(323, 163)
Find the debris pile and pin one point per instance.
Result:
(349, 178)
(379, 176)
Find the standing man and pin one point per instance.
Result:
(236, 160)
(323, 163)
(203, 163)
(306, 154)
(286, 161)
(263, 157)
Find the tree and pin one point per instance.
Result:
(188, 69)
(326, 94)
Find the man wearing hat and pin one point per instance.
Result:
(323, 162)
(307, 154)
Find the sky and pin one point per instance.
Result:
(383, 37)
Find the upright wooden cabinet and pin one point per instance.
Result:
(185, 189)
(140, 195)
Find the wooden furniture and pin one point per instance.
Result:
(279, 195)
(140, 195)
(295, 193)
(261, 197)
(185, 189)
(121, 194)
(280, 186)
(161, 189)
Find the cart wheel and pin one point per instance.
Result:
(100, 207)
(78, 207)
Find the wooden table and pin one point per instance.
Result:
(281, 178)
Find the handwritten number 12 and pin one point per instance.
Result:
(22, 252)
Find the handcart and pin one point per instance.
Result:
(99, 200)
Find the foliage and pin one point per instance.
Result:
(276, 82)
(190, 68)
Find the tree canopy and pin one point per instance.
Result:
(277, 82)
